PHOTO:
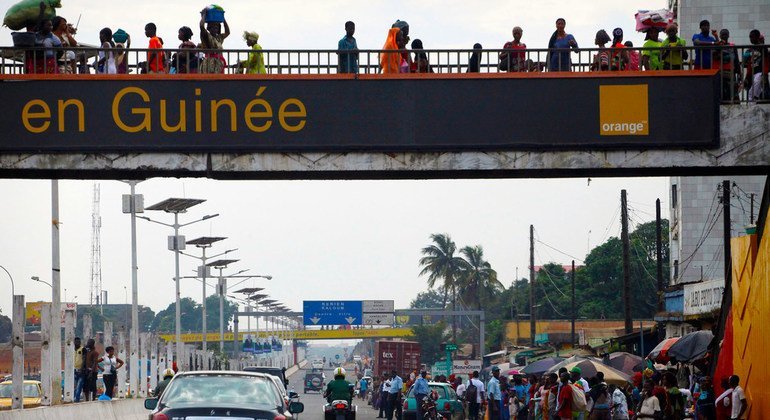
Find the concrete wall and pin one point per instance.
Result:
(103, 410)
(518, 331)
(738, 16)
(695, 243)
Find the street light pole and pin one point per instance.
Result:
(13, 288)
(176, 206)
(131, 206)
(178, 305)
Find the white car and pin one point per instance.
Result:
(317, 364)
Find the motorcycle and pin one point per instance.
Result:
(339, 410)
(429, 409)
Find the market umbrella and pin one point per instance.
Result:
(570, 360)
(541, 366)
(625, 362)
(660, 352)
(589, 368)
(692, 346)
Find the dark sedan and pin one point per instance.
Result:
(221, 394)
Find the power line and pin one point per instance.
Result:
(542, 268)
(559, 251)
(551, 303)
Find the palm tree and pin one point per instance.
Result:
(440, 263)
(476, 275)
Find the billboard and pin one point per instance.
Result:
(369, 113)
(703, 297)
(32, 312)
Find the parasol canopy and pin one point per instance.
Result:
(589, 368)
(660, 352)
(691, 347)
(541, 366)
(626, 362)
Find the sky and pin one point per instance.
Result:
(317, 239)
(323, 239)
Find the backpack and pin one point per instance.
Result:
(471, 392)
(578, 398)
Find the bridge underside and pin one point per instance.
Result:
(744, 149)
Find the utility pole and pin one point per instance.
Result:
(629, 327)
(659, 260)
(573, 304)
(727, 232)
(532, 317)
(55, 338)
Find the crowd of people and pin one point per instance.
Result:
(711, 50)
(670, 394)
(89, 362)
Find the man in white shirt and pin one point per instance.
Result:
(474, 405)
(738, 399)
(619, 406)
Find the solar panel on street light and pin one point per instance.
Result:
(205, 240)
(221, 263)
(175, 205)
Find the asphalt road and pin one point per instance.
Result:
(314, 402)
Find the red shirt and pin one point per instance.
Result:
(156, 64)
(519, 50)
(564, 401)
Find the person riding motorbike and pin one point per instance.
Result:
(168, 374)
(339, 388)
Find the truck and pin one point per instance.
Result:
(401, 356)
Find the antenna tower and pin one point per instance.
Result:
(95, 288)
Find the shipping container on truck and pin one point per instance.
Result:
(403, 356)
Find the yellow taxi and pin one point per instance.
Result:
(33, 392)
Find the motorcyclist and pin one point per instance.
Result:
(339, 388)
(168, 374)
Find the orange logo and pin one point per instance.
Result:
(623, 110)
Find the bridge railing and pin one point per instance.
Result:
(734, 63)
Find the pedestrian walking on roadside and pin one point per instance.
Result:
(494, 395)
(394, 394)
(474, 395)
(421, 390)
(109, 365)
(79, 362)
(383, 400)
(738, 402)
(90, 369)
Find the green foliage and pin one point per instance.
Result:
(192, 319)
(495, 335)
(477, 279)
(598, 284)
(429, 299)
(432, 340)
(119, 315)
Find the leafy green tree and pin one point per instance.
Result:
(440, 263)
(212, 313)
(477, 278)
(432, 340)
(190, 317)
(429, 299)
(495, 335)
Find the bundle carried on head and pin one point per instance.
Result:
(215, 13)
(26, 12)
